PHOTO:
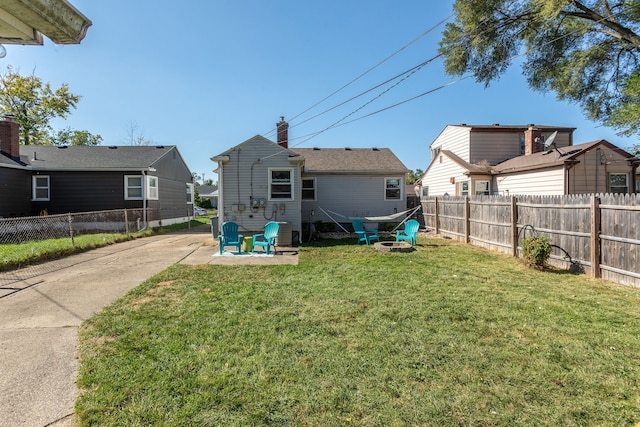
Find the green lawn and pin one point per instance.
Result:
(448, 335)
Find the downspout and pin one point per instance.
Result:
(221, 160)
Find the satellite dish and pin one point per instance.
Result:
(3, 51)
(549, 141)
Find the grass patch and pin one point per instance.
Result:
(18, 255)
(446, 335)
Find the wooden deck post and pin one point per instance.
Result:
(595, 236)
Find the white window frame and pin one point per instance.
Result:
(424, 192)
(388, 188)
(128, 187)
(626, 183)
(482, 191)
(35, 187)
(464, 191)
(190, 193)
(281, 183)
(152, 188)
(313, 188)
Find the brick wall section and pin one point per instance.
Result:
(10, 139)
(283, 133)
(530, 144)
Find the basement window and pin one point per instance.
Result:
(41, 188)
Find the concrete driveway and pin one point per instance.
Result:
(40, 316)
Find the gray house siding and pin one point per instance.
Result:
(15, 191)
(244, 178)
(351, 195)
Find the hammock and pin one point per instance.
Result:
(372, 218)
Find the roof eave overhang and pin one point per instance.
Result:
(25, 21)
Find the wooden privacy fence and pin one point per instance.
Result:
(598, 234)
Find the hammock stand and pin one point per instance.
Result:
(372, 218)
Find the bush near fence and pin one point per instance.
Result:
(598, 234)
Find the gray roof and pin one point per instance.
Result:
(350, 160)
(553, 158)
(82, 157)
(207, 190)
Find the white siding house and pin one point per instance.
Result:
(494, 159)
(352, 182)
(258, 182)
(261, 181)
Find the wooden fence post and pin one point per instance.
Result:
(595, 236)
(467, 220)
(514, 226)
(436, 219)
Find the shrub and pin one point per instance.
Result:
(536, 250)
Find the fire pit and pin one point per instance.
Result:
(393, 246)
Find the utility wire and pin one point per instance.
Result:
(370, 69)
(510, 59)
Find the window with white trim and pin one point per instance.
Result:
(483, 188)
(281, 184)
(308, 189)
(152, 187)
(392, 188)
(190, 193)
(618, 183)
(133, 189)
(425, 191)
(464, 188)
(41, 188)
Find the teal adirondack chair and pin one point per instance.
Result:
(364, 235)
(268, 238)
(409, 233)
(230, 236)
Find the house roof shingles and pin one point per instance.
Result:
(350, 160)
(80, 157)
(551, 157)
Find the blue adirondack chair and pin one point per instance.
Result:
(409, 233)
(230, 236)
(268, 238)
(364, 235)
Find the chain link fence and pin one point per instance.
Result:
(27, 237)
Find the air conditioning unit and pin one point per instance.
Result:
(284, 234)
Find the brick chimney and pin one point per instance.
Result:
(283, 133)
(532, 140)
(10, 137)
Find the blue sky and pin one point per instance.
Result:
(206, 75)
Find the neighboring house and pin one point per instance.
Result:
(209, 192)
(62, 179)
(261, 181)
(494, 159)
(593, 167)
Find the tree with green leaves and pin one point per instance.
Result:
(34, 104)
(584, 51)
(413, 176)
(68, 136)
